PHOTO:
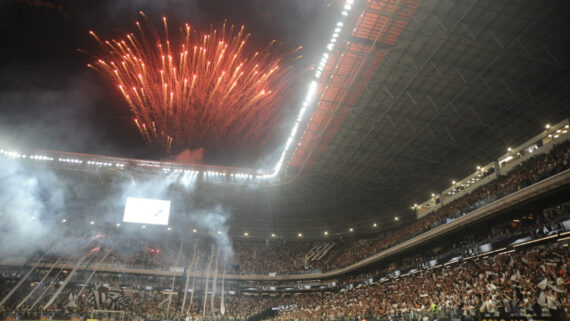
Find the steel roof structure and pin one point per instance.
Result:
(421, 93)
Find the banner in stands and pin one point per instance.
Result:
(548, 230)
(285, 307)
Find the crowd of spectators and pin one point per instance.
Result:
(152, 303)
(268, 257)
(533, 282)
(145, 296)
(524, 226)
(500, 284)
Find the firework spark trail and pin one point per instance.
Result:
(202, 90)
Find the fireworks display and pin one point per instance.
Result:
(198, 90)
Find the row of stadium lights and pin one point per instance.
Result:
(209, 173)
(15, 154)
(178, 170)
(105, 164)
(245, 234)
(325, 233)
(214, 174)
(557, 133)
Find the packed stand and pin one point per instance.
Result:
(533, 282)
(146, 296)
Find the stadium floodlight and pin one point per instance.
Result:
(326, 233)
(169, 228)
(246, 234)
(374, 225)
(547, 126)
(509, 149)
(118, 224)
(478, 168)
(351, 230)
(194, 231)
(396, 218)
(63, 221)
(272, 234)
(92, 222)
(219, 232)
(300, 234)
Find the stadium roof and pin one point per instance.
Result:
(422, 93)
(415, 94)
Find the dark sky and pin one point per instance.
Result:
(49, 99)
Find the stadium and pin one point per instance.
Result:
(286, 160)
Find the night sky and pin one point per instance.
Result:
(50, 100)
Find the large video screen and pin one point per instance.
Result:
(146, 211)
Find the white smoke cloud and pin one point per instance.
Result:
(213, 221)
(27, 199)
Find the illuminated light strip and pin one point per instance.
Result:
(311, 92)
(308, 100)
(345, 84)
(40, 157)
(71, 160)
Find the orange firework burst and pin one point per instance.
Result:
(203, 89)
